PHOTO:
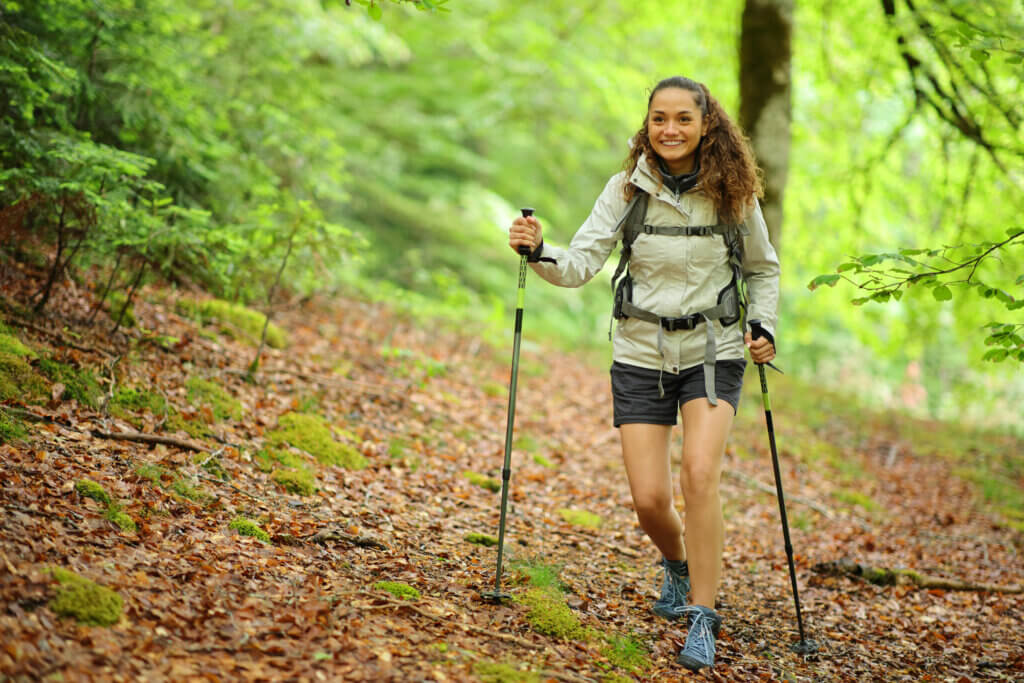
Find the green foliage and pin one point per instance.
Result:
(483, 481)
(581, 518)
(402, 591)
(87, 488)
(210, 394)
(312, 434)
(87, 602)
(247, 527)
(858, 498)
(235, 320)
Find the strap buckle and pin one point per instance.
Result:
(687, 322)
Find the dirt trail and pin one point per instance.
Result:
(424, 406)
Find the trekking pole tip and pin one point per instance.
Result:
(805, 647)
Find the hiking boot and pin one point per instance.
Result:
(674, 587)
(699, 650)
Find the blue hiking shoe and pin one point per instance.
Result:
(699, 650)
(674, 587)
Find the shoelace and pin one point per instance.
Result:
(700, 636)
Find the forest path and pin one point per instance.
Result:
(424, 406)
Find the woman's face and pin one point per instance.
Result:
(674, 127)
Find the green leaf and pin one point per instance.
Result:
(897, 294)
(942, 293)
(995, 355)
(375, 12)
(829, 279)
(980, 55)
(851, 266)
(871, 259)
(860, 301)
(1020, 280)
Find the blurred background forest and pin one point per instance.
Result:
(381, 150)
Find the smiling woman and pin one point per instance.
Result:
(685, 209)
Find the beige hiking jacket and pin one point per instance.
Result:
(673, 276)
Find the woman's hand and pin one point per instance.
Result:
(524, 231)
(761, 350)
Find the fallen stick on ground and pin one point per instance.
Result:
(883, 576)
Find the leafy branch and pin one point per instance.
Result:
(887, 276)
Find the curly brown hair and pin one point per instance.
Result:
(728, 175)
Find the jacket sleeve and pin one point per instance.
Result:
(586, 254)
(760, 271)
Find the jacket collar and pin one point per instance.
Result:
(648, 180)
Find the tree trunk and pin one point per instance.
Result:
(765, 55)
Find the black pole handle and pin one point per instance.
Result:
(756, 331)
(524, 249)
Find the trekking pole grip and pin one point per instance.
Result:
(756, 331)
(524, 249)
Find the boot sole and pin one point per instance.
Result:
(692, 663)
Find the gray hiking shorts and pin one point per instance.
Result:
(636, 397)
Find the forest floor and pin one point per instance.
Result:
(417, 407)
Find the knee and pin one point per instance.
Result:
(699, 480)
(651, 506)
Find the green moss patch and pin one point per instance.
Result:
(483, 481)
(299, 482)
(543, 462)
(19, 381)
(213, 396)
(581, 518)
(504, 672)
(550, 616)
(626, 652)
(9, 343)
(116, 514)
(127, 401)
(402, 591)
(85, 601)
(481, 539)
(311, 433)
(858, 499)
(152, 473)
(212, 465)
(87, 488)
(79, 384)
(11, 428)
(235, 320)
(186, 490)
(540, 574)
(247, 527)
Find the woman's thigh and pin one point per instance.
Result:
(645, 455)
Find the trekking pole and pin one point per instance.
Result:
(506, 472)
(805, 646)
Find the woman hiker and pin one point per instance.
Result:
(685, 208)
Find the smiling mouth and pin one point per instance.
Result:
(671, 143)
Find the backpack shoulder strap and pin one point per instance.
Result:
(632, 223)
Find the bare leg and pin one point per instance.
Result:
(645, 454)
(705, 430)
